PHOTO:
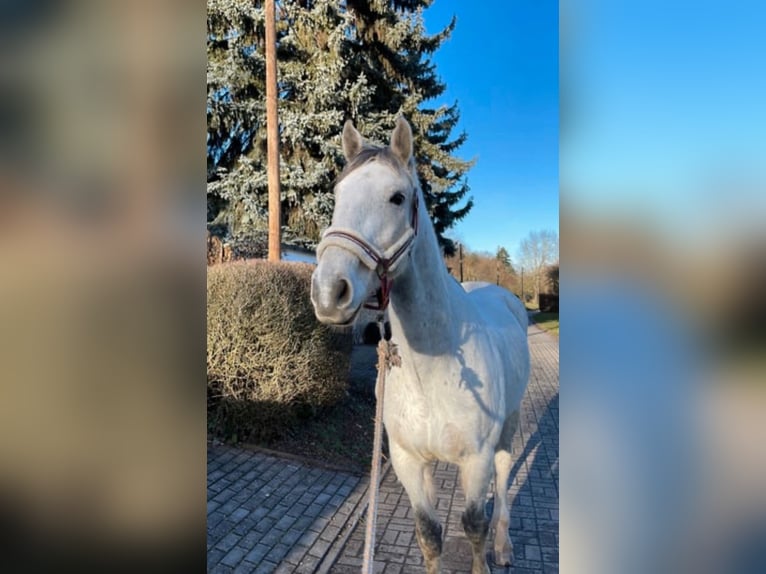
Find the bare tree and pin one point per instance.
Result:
(536, 252)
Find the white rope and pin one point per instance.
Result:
(387, 357)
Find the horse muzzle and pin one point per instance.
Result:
(336, 295)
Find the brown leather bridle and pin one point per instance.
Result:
(371, 256)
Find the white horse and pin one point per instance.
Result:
(464, 354)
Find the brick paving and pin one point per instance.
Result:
(270, 514)
(267, 514)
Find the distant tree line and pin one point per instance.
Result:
(484, 266)
(536, 271)
(365, 60)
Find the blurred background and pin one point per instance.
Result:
(663, 249)
(102, 297)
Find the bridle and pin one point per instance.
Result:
(384, 263)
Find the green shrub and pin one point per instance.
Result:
(269, 361)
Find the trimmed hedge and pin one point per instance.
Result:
(269, 361)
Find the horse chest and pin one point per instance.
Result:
(432, 421)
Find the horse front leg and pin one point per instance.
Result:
(414, 475)
(475, 475)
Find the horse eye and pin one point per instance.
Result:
(397, 198)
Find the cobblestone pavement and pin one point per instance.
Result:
(268, 514)
(271, 514)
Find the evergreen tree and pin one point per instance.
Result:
(505, 259)
(364, 60)
(236, 74)
(316, 97)
(314, 101)
(394, 52)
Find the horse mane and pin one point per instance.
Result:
(368, 153)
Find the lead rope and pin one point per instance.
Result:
(388, 357)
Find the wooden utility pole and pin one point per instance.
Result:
(460, 258)
(272, 134)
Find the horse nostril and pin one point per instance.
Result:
(344, 293)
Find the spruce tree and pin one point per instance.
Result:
(504, 258)
(394, 52)
(236, 74)
(315, 98)
(364, 60)
(314, 104)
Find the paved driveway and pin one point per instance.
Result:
(268, 513)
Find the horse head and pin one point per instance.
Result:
(374, 226)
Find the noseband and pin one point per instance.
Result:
(382, 262)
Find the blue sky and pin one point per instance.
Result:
(669, 101)
(501, 65)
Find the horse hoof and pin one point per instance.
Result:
(504, 558)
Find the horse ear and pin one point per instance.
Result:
(401, 140)
(352, 141)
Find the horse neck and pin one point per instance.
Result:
(421, 301)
